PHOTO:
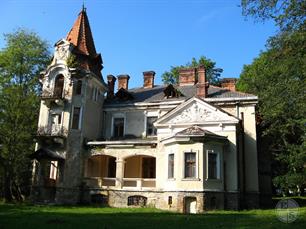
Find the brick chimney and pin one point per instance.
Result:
(187, 76)
(202, 85)
(123, 82)
(111, 80)
(229, 83)
(148, 79)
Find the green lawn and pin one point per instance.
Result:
(26, 216)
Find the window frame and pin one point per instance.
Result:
(80, 118)
(146, 126)
(218, 164)
(118, 115)
(195, 177)
(173, 165)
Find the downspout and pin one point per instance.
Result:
(243, 154)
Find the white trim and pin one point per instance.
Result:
(171, 178)
(196, 177)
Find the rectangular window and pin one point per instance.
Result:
(118, 127)
(76, 118)
(171, 166)
(212, 165)
(53, 170)
(151, 130)
(148, 167)
(190, 165)
(56, 119)
(78, 89)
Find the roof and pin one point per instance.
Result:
(156, 94)
(81, 37)
(196, 131)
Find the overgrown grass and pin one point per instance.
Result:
(27, 216)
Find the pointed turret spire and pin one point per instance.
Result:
(81, 37)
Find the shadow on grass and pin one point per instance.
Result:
(27, 216)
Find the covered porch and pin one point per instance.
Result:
(135, 172)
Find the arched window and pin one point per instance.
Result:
(59, 86)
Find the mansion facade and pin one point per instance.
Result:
(188, 147)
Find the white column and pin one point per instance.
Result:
(119, 172)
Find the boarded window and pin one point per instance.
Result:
(137, 201)
(148, 167)
(151, 130)
(76, 118)
(212, 165)
(171, 166)
(190, 165)
(118, 127)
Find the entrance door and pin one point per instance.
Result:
(190, 205)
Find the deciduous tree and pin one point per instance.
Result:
(21, 60)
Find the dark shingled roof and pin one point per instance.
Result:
(156, 94)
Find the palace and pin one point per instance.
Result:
(188, 147)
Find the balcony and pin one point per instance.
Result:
(56, 96)
(52, 131)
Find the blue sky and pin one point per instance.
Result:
(139, 35)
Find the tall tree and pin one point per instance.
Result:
(278, 77)
(212, 73)
(23, 57)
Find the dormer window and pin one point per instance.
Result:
(171, 92)
(59, 86)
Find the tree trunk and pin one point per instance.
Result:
(8, 197)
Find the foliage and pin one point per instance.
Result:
(98, 217)
(72, 61)
(289, 15)
(212, 73)
(278, 77)
(24, 56)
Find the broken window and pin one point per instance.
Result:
(151, 130)
(137, 200)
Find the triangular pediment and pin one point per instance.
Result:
(195, 111)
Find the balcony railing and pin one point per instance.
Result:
(129, 183)
(99, 182)
(56, 94)
(139, 183)
(52, 130)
